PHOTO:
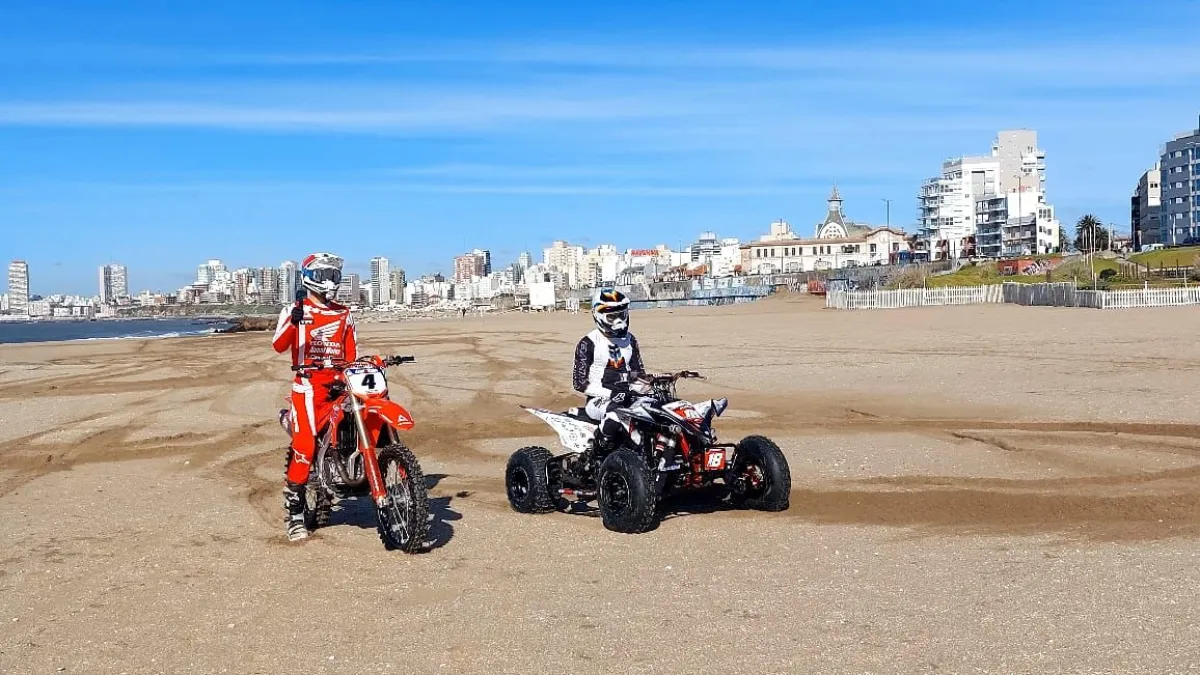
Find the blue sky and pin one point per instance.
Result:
(161, 134)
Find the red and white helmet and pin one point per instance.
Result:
(322, 273)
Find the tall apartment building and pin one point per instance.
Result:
(114, 284)
(473, 264)
(289, 281)
(349, 291)
(1145, 210)
(381, 282)
(562, 257)
(398, 282)
(948, 212)
(1179, 167)
(18, 287)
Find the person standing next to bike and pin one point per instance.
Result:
(607, 362)
(314, 328)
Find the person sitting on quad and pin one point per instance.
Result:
(607, 362)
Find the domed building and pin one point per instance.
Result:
(839, 242)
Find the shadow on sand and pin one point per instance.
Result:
(360, 512)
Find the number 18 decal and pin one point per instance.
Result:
(715, 460)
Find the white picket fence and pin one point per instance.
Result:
(1151, 297)
(913, 297)
(1052, 295)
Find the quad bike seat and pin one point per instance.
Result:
(579, 414)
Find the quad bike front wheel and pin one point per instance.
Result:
(404, 518)
(760, 477)
(628, 493)
(527, 481)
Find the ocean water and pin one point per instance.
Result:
(57, 331)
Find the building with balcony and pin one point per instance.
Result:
(18, 287)
(1014, 224)
(946, 208)
(1179, 166)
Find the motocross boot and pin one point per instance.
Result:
(293, 506)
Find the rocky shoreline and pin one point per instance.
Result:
(249, 324)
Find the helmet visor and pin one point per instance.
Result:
(323, 274)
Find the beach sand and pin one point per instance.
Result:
(975, 489)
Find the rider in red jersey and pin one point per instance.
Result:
(314, 329)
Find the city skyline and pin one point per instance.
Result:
(510, 127)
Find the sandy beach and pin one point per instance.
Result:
(975, 489)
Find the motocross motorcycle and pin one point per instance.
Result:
(359, 453)
(670, 447)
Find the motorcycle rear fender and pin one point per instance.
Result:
(389, 411)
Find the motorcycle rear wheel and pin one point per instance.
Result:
(404, 519)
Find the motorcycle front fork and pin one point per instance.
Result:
(370, 459)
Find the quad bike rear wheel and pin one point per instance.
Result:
(404, 519)
(761, 478)
(628, 493)
(527, 481)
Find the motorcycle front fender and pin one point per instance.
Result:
(389, 411)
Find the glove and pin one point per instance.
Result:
(297, 315)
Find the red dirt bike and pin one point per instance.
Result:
(359, 453)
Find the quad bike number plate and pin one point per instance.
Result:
(714, 459)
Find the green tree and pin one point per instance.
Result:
(1090, 234)
(1064, 241)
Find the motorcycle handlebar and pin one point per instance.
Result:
(342, 365)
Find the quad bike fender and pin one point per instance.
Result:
(389, 412)
(574, 434)
(717, 405)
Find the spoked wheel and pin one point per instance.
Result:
(318, 502)
(628, 494)
(404, 518)
(761, 478)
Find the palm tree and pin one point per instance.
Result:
(1090, 234)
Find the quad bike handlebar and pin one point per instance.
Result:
(342, 364)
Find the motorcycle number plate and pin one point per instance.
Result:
(366, 380)
(714, 460)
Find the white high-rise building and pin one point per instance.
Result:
(381, 281)
(947, 210)
(114, 284)
(564, 258)
(947, 205)
(524, 261)
(289, 282)
(18, 287)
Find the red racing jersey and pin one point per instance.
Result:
(326, 332)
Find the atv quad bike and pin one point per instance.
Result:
(671, 447)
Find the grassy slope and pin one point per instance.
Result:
(1168, 257)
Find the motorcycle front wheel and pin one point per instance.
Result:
(404, 517)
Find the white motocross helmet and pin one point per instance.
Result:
(610, 311)
(322, 273)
